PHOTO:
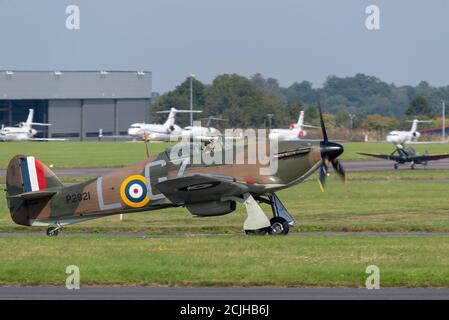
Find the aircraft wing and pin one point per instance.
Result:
(115, 137)
(430, 157)
(200, 188)
(380, 156)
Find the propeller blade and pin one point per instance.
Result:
(339, 169)
(323, 176)
(323, 127)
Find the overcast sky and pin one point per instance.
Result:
(291, 40)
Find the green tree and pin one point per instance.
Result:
(375, 122)
(239, 101)
(419, 107)
(180, 99)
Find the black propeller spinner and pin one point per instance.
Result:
(329, 153)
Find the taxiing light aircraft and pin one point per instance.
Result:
(36, 197)
(403, 155)
(296, 130)
(24, 131)
(402, 137)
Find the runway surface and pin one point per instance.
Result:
(349, 165)
(151, 293)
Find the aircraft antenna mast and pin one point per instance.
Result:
(443, 128)
(191, 99)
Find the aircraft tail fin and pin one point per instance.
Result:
(27, 178)
(172, 114)
(300, 122)
(414, 125)
(27, 174)
(29, 121)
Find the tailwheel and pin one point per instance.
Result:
(396, 166)
(258, 232)
(412, 166)
(279, 226)
(52, 231)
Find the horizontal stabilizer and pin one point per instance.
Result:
(33, 195)
(40, 124)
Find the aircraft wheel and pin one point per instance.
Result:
(396, 166)
(259, 232)
(52, 231)
(412, 167)
(279, 226)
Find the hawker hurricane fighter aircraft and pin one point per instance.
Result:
(408, 155)
(36, 197)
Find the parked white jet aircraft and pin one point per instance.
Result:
(401, 137)
(159, 132)
(296, 130)
(202, 133)
(24, 131)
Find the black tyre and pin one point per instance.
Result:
(279, 226)
(396, 166)
(52, 231)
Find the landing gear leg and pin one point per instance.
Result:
(282, 220)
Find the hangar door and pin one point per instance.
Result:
(131, 111)
(98, 114)
(65, 119)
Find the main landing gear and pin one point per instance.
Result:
(257, 222)
(54, 231)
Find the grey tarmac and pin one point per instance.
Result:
(233, 293)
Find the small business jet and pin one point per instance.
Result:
(168, 131)
(402, 137)
(24, 131)
(296, 130)
(202, 133)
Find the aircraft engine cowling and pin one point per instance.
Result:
(214, 208)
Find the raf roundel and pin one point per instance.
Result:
(134, 191)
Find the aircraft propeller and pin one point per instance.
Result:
(329, 154)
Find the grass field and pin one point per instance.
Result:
(227, 261)
(116, 154)
(380, 201)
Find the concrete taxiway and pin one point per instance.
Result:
(152, 293)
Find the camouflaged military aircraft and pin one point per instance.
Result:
(408, 155)
(36, 197)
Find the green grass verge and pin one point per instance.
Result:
(117, 154)
(310, 261)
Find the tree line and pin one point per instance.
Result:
(360, 101)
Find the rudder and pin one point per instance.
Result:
(27, 174)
